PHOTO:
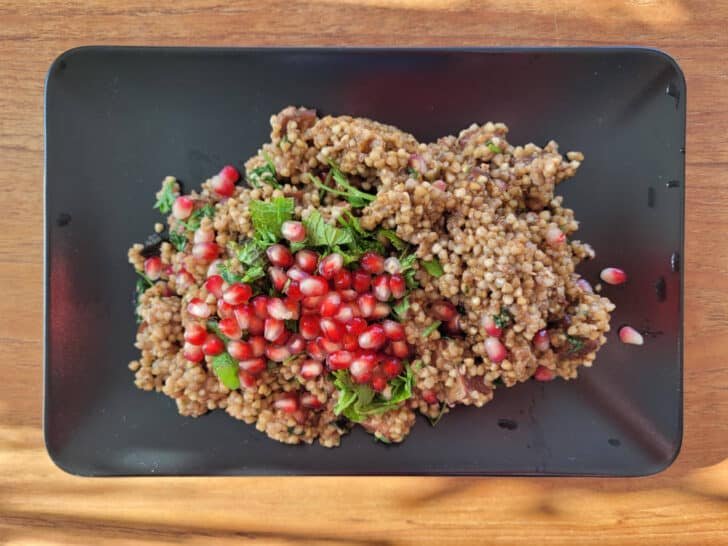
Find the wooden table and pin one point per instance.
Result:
(687, 504)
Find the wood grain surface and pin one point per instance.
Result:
(687, 504)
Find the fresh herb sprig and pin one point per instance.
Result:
(166, 196)
(265, 174)
(357, 402)
(356, 197)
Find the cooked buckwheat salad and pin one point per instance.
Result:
(358, 276)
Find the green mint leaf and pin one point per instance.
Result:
(431, 328)
(320, 233)
(265, 174)
(400, 310)
(178, 239)
(392, 237)
(268, 217)
(166, 196)
(195, 219)
(146, 281)
(433, 267)
(224, 270)
(253, 273)
(356, 402)
(226, 369)
(493, 147)
(356, 197)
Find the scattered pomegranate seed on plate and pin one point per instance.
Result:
(629, 335)
(613, 275)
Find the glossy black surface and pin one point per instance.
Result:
(119, 119)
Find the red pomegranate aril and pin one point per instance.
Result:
(314, 350)
(344, 314)
(244, 314)
(153, 267)
(350, 342)
(307, 260)
(330, 265)
(400, 349)
(260, 306)
(398, 286)
(296, 344)
(430, 397)
(366, 302)
(193, 352)
(393, 330)
(361, 370)
(293, 291)
(490, 327)
(240, 350)
(332, 329)
(372, 263)
(391, 366)
(222, 186)
(247, 380)
(541, 341)
(198, 308)
(203, 236)
(212, 268)
(392, 265)
(293, 308)
(183, 280)
(372, 338)
(287, 404)
(342, 279)
(297, 274)
(277, 309)
(328, 345)
(230, 328)
(312, 303)
(309, 327)
(454, 325)
(224, 309)
(205, 252)
(380, 287)
(378, 382)
(229, 173)
(310, 401)
(195, 333)
(182, 207)
(278, 278)
(630, 336)
(213, 345)
(356, 326)
(256, 326)
(273, 328)
(443, 310)
(279, 255)
(349, 295)
(214, 285)
(253, 365)
(237, 293)
(554, 236)
(339, 360)
(613, 275)
(495, 349)
(330, 304)
(314, 286)
(257, 345)
(283, 338)
(277, 353)
(544, 374)
(381, 310)
(293, 231)
(361, 281)
(311, 369)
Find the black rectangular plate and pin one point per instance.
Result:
(119, 119)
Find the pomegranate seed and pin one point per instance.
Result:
(350, 342)
(332, 329)
(440, 185)
(366, 303)
(213, 285)
(356, 326)
(293, 291)
(256, 326)
(314, 286)
(381, 310)
(417, 162)
(213, 345)
(372, 263)
(554, 236)
(544, 374)
(349, 295)
(212, 268)
(372, 338)
(454, 325)
(182, 207)
(247, 380)
(443, 310)
(315, 350)
(278, 278)
(361, 370)
(195, 333)
(392, 367)
(430, 397)
(393, 330)
(240, 350)
(237, 293)
(222, 186)
(283, 338)
(380, 287)
(230, 328)
(296, 344)
(293, 308)
(311, 369)
(328, 345)
(308, 400)
(308, 326)
(198, 308)
(495, 349)
(612, 275)
(287, 404)
(279, 255)
(193, 352)
(392, 265)
(257, 345)
(183, 280)
(342, 279)
(490, 327)
(293, 231)
(629, 335)
(378, 382)
(153, 267)
(229, 173)
(398, 286)
(297, 274)
(541, 341)
(203, 236)
(307, 260)
(361, 280)
(400, 349)
(253, 365)
(224, 309)
(277, 353)
(585, 286)
(330, 304)
(344, 314)
(244, 314)
(312, 302)
(331, 265)
(277, 309)
(260, 306)
(339, 360)
(273, 329)
(205, 252)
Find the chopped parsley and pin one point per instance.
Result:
(356, 197)
(357, 402)
(223, 269)
(431, 328)
(407, 268)
(226, 369)
(433, 267)
(193, 222)
(143, 282)
(166, 196)
(392, 237)
(379, 437)
(436, 419)
(400, 310)
(322, 234)
(576, 344)
(414, 173)
(268, 217)
(494, 147)
(265, 174)
(503, 319)
(178, 239)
